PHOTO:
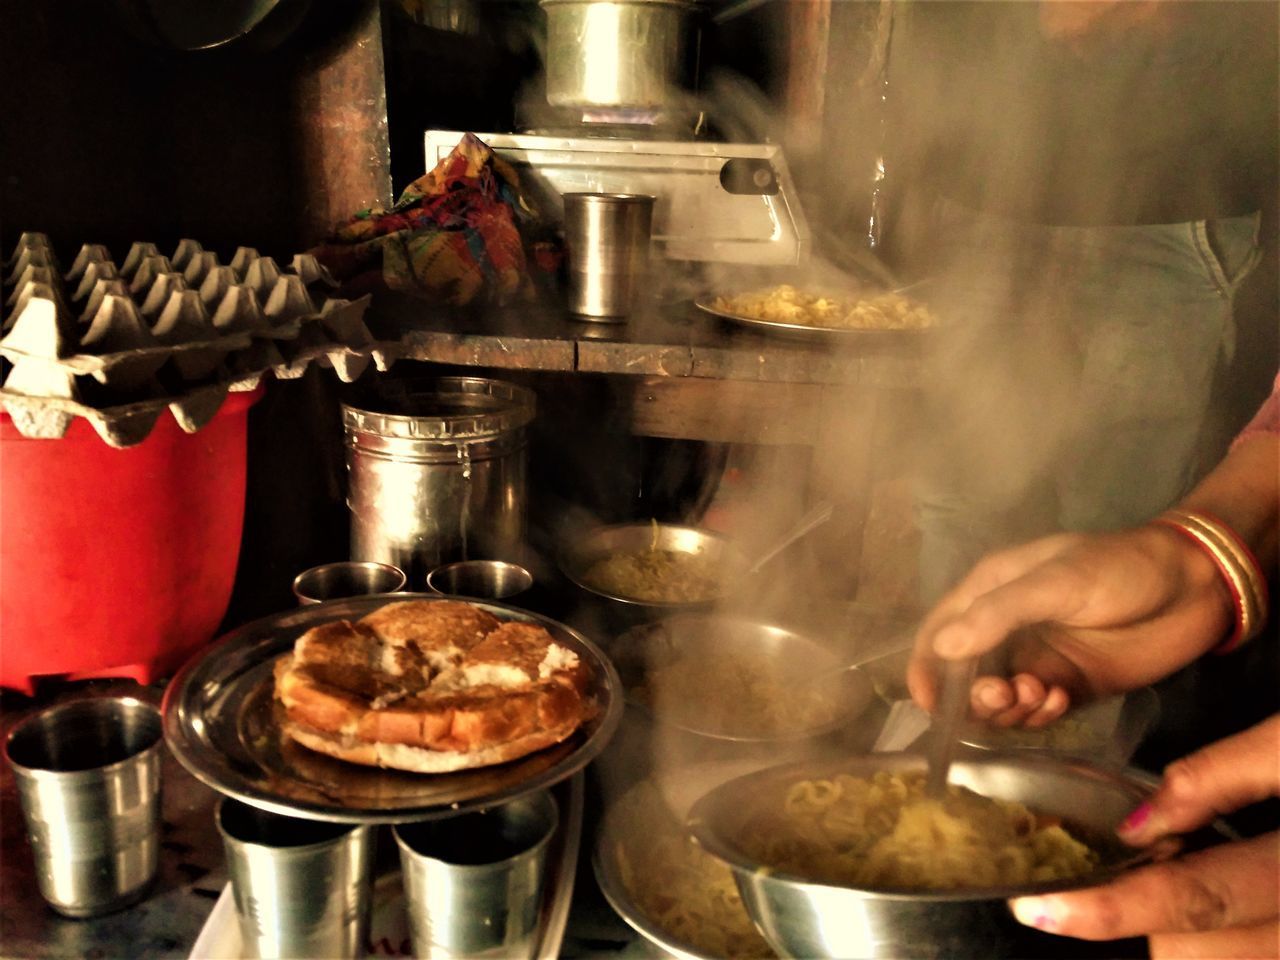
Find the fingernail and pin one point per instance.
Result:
(990, 695)
(1035, 912)
(948, 644)
(1026, 692)
(1136, 820)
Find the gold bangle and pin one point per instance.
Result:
(1235, 561)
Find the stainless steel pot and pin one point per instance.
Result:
(441, 477)
(618, 54)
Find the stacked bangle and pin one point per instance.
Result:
(1236, 563)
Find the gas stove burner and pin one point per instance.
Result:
(615, 124)
(622, 117)
(604, 131)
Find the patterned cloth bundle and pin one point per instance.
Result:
(453, 237)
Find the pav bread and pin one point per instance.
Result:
(430, 686)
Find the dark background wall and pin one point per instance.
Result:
(109, 138)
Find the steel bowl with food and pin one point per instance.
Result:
(712, 696)
(737, 679)
(805, 885)
(675, 895)
(641, 571)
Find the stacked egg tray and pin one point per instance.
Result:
(118, 344)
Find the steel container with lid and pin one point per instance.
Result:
(438, 474)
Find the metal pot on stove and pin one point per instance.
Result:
(626, 55)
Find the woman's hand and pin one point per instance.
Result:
(1221, 902)
(1084, 615)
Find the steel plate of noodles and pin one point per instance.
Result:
(687, 893)
(787, 304)
(883, 832)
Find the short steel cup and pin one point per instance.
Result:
(346, 578)
(481, 579)
(301, 887)
(608, 237)
(474, 883)
(88, 775)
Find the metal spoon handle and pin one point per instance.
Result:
(953, 706)
(819, 514)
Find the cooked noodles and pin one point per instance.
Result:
(657, 575)
(883, 832)
(688, 894)
(786, 304)
(733, 693)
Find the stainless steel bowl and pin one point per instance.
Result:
(802, 918)
(642, 857)
(799, 667)
(602, 542)
(687, 745)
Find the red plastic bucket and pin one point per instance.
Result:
(117, 562)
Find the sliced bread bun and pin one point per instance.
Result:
(430, 686)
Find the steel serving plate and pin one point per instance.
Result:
(222, 723)
(904, 335)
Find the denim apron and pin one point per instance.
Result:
(1070, 377)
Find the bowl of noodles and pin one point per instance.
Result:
(846, 857)
(649, 569)
(737, 679)
(665, 887)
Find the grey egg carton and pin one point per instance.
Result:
(118, 345)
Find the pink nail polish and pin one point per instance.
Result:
(1136, 819)
(1034, 912)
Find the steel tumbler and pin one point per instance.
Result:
(473, 883)
(607, 235)
(301, 887)
(482, 579)
(346, 578)
(88, 775)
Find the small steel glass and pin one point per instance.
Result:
(346, 578)
(301, 887)
(481, 579)
(607, 236)
(88, 775)
(474, 883)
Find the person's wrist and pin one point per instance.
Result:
(1239, 580)
(1196, 577)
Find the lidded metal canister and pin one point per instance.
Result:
(439, 475)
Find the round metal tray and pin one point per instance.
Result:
(806, 331)
(222, 723)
